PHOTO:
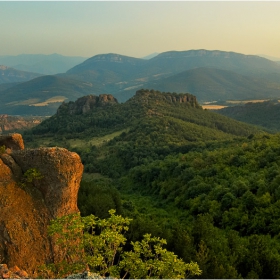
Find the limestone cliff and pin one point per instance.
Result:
(27, 208)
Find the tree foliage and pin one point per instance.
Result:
(98, 244)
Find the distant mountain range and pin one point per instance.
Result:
(122, 75)
(11, 75)
(216, 84)
(210, 75)
(41, 63)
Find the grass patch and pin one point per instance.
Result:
(95, 141)
(74, 143)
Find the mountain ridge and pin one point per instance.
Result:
(11, 75)
(41, 63)
(206, 83)
(121, 76)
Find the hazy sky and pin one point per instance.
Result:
(138, 28)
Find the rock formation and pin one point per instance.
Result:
(153, 95)
(86, 104)
(13, 142)
(14, 123)
(12, 273)
(26, 207)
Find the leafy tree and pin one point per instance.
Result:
(98, 244)
(149, 260)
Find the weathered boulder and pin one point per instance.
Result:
(27, 208)
(13, 141)
(12, 273)
(62, 172)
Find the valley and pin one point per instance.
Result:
(199, 170)
(139, 140)
(202, 181)
(209, 75)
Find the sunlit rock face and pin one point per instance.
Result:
(13, 141)
(27, 208)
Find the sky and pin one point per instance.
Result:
(138, 29)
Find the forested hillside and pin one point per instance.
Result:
(178, 115)
(229, 197)
(204, 182)
(263, 114)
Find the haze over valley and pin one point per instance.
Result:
(209, 75)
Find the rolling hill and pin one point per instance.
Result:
(168, 118)
(263, 114)
(244, 64)
(215, 84)
(11, 75)
(123, 75)
(42, 96)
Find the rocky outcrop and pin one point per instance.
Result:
(13, 141)
(26, 207)
(86, 104)
(181, 98)
(14, 123)
(12, 273)
(61, 170)
(147, 96)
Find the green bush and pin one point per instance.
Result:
(90, 242)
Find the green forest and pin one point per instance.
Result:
(263, 114)
(207, 184)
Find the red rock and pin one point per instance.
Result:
(6, 275)
(26, 210)
(22, 273)
(13, 141)
(15, 269)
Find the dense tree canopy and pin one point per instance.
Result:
(206, 184)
